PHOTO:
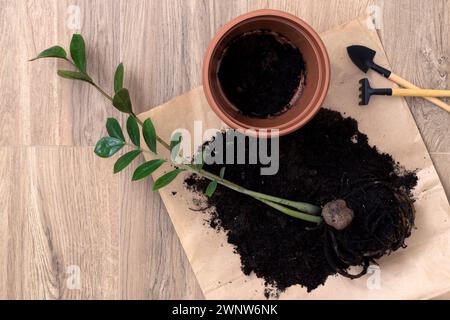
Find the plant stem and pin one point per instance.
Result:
(107, 96)
(309, 212)
(292, 213)
(302, 206)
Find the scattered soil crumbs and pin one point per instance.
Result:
(261, 72)
(326, 160)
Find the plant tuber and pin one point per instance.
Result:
(337, 215)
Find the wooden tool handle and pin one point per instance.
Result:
(406, 84)
(420, 93)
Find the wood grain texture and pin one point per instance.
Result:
(63, 207)
(79, 104)
(442, 162)
(416, 36)
(54, 221)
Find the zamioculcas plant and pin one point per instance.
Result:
(336, 215)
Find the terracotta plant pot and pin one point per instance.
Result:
(314, 54)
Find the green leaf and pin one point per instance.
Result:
(74, 75)
(222, 172)
(107, 147)
(125, 160)
(212, 186)
(78, 52)
(175, 145)
(175, 140)
(133, 131)
(122, 101)
(166, 179)
(53, 52)
(149, 133)
(147, 169)
(118, 78)
(114, 129)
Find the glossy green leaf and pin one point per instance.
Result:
(175, 145)
(74, 75)
(149, 133)
(133, 131)
(212, 186)
(147, 169)
(53, 52)
(125, 160)
(175, 140)
(108, 146)
(222, 172)
(78, 52)
(114, 129)
(166, 179)
(118, 78)
(122, 101)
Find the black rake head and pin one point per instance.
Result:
(365, 92)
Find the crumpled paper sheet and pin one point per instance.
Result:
(421, 271)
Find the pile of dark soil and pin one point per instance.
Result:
(260, 72)
(328, 159)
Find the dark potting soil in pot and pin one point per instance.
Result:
(328, 159)
(261, 72)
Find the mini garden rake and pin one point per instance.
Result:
(366, 91)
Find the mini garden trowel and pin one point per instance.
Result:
(362, 57)
(367, 91)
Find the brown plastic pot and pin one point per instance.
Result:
(315, 55)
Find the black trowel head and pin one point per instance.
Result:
(361, 56)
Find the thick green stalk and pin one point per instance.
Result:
(309, 212)
(293, 213)
(302, 206)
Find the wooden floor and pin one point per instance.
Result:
(62, 211)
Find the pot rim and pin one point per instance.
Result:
(318, 98)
